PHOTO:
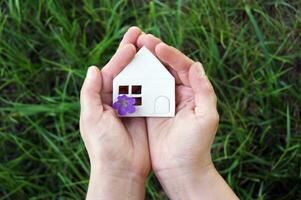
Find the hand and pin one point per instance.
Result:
(118, 148)
(180, 146)
(183, 141)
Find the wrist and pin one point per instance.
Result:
(198, 182)
(115, 184)
(185, 182)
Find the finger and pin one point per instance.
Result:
(205, 98)
(149, 41)
(176, 60)
(174, 74)
(110, 110)
(90, 98)
(106, 98)
(122, 57)
(131, 36)
(184, 94)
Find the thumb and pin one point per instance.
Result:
(90, 99)
(205, 98)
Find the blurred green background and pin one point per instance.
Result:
(251, 52)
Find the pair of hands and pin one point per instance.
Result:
(122, 151)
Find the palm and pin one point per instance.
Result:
(122, 142)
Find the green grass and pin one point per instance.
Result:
(250, 49)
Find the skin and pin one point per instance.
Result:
(122, 151)
(118, 148)
(180, 146)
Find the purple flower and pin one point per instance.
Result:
(124, 105)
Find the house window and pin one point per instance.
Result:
(136, 89)
(138, 101)
(123, 89)
(133, 91)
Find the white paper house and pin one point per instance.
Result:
(147, 80)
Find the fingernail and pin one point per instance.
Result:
(200, 69)
(91, 73)
(134, 27)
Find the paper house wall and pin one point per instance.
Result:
(147, 80)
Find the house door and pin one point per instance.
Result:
(162, 105)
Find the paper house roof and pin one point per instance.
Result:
(144, 65)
